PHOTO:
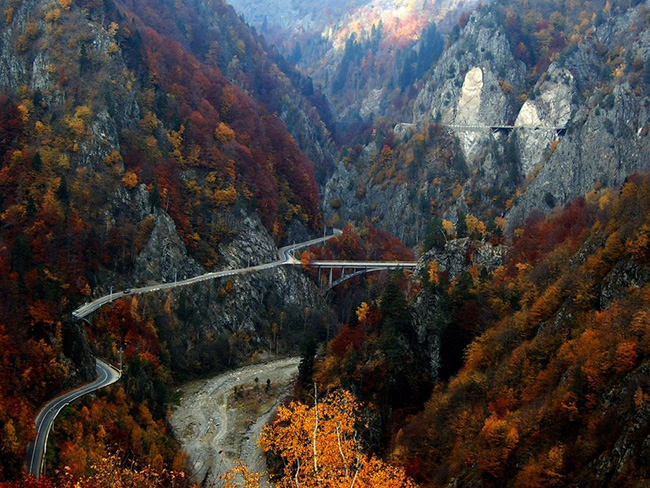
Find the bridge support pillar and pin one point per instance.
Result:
(331, 269)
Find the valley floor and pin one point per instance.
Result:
(219, 420)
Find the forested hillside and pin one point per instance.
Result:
(128, 156)
(542, 370)
(553, 388)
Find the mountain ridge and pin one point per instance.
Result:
(127, 157)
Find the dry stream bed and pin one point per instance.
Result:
(218, 420)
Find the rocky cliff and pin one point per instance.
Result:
(606, 123)
(468, 87)
(129, 157)
(575, 129)
(430, 309)
(215, 324)
(468, 90)
(509, 139)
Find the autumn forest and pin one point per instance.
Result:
(150, 141)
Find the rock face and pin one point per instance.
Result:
(77, 349)
(393, 204)
(606, 137)
(277, 288)
(206, 320)
(454, 258)
(468, 110)
(540, 119)
(14, 70)
(569, 130)
(164, 259)
(624, 276)
(458, 255)
(482, 103)
(463, 87)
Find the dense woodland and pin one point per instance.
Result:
(553, 378)
(139, 116)
(142, 110)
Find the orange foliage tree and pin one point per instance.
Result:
(240, 477)
(109, 472)
(320, 447)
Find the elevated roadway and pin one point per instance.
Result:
(285, 256)
(107, 375)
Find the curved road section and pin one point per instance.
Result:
(285, 256)
(106, 375)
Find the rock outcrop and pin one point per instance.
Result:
(456, 257)
(164, 259)
(541, 118)
(606, 132)
(525, 143)
(466, 87)
(459, 255)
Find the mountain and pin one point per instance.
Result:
(213, 33)
(365, 54)
(574, 90)
(140, 145)
(528, 328)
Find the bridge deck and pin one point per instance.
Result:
(362, 264)
(501, 127)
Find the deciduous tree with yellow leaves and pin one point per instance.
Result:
(320, 447)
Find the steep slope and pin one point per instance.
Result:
(213, 33)
(573, 88)
(553, 389)
(127, 158)
(365, 54)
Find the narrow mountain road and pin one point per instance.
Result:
(106, 375)
(219, 420)
(285, 257)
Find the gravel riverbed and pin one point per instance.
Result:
(219, 420)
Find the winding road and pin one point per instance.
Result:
(279, 371)
(106, 375)
(285, 256)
